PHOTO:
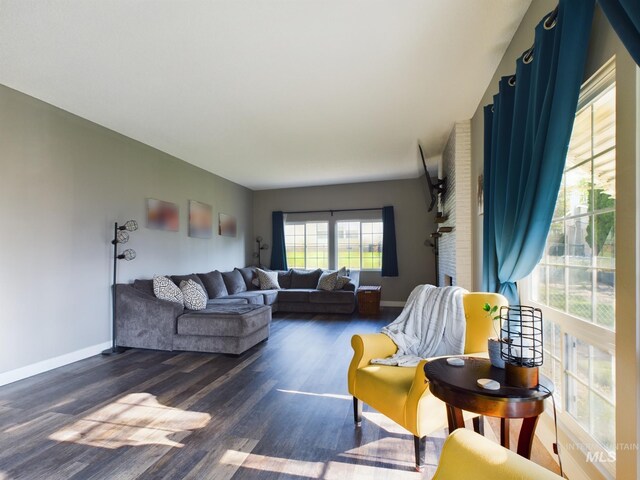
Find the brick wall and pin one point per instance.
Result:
(455, 259)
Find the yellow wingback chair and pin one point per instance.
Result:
(402, 393)
(466, 454)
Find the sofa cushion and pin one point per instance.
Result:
(234, 282)
(195, 298)
(165, 289)
(305, 279)
(177, 279)
(295, 295)
(336, 296)
(254, 298)
(267, 280)
(248, 274)
(145, 286)
(227, 301)
(224, 321)
(270, 296)
(214, 284)
(349, 287)
(284, 278)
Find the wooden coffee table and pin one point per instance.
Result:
(456, 386)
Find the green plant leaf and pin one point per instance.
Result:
(486, 307)
(493, 310)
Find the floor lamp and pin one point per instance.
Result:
(120, 235)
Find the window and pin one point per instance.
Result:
(574, 283)
(307, 244)
(359, 244)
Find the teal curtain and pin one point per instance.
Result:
(490, 264)
(389, 253)
(532, 120)
(624, 16)
(278, 248)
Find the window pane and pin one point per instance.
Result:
(557, 289)
(578, 241)
(604, 422)
(603, 373)
(580, 293)
(317, 245)
(539, 284)
(578, 401)
(556, 243)
(560, 202)
(578, 188)
(580, 144)
(371, 245)
(604, 239)
(604, 122)
(348, 234)
(605, 299)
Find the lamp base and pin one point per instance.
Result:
(114, 351)
(521, 377)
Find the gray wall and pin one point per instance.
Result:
(413, 223)
(64, 182)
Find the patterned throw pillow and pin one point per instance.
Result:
(267, 280)
(343, 278)
(328, 281)
(194, 295)
(165, 289)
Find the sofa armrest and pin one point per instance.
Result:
(466, 454)
(354, 283)
(144, 321)
(366, 347)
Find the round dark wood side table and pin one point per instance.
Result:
(457, 387)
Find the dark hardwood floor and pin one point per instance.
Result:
(281, 410)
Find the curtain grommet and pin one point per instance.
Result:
(512, 81)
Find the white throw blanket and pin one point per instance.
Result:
(431, 324)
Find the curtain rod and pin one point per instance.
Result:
(336, 210)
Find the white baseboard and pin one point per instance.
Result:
(389, 303)
(51, 363)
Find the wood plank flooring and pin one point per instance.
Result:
(279, 411)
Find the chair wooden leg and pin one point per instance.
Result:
(478, 424)
(420, 447)
(357, 412)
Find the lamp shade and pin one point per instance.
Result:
(122, 236)
(131, 225)
(128, 255)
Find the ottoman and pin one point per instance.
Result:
(222, 328)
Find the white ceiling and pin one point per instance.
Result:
(267, 93)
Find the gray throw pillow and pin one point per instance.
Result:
(305, 279)
(194, 295)
(327, 281)
(177, 279)
(234, 282)
(165, 289)
(268, 280)
(249, 275)
(284, 278)
(214, 284)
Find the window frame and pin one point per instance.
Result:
(305, 223)
(360, 221)
(591, 333)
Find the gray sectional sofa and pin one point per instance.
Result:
(237, 316)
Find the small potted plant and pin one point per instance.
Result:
(494, 345)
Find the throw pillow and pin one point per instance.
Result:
(165, 289)
(194, 295)
(341, 282)
(268, 280)
(234, 282)
(327, 281)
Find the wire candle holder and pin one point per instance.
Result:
(522, 350)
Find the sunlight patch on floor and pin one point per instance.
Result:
(332, 470)
(311, 394)
(135, 420)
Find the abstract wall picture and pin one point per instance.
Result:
(481, 194)
(200, 220)
(227, 225)
(162, 215)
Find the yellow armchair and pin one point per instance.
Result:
(466, 454)
(402, 393)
